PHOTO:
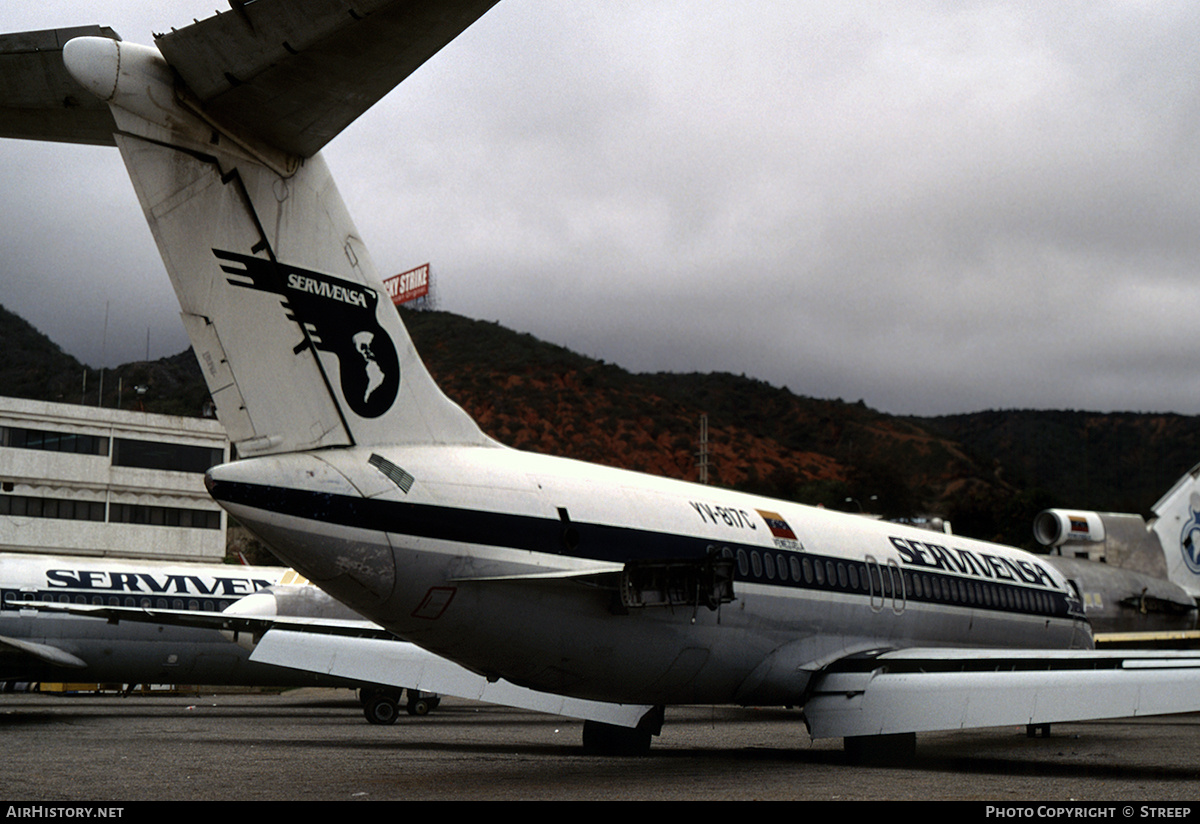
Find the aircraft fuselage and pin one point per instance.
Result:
(602, 583)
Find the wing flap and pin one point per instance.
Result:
(925, 690)
(296, 72)
(357, 650)
(39, 100)
(388, 662)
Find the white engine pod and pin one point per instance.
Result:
(1055, 527)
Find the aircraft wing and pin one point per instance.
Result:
(39, 100)
(917, 690)
(222, 621)
(389, 662)
(296, 72)
(362, 651)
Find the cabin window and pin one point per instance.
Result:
(782, 563)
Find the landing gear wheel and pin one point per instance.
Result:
(381, 709)
(421, 703)
(608, 739)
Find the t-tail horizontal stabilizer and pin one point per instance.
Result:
(298, 341)
(39, 100)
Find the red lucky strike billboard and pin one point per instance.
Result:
(408, 285)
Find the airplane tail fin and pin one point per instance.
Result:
(297, 338)
(1177, 525)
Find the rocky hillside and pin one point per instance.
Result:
(536, 396)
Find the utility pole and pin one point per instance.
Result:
(702, 455)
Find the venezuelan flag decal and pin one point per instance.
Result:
(778, 526)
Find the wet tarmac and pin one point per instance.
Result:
(315, 745)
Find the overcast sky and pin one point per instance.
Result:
(934, 207)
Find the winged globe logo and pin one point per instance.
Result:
(1189, 539)
(339, 316)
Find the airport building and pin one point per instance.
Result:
(79, 480)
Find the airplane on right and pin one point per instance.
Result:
(555, 575)
(1139, 581)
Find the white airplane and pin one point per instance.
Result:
(563, 577)
(41, 646)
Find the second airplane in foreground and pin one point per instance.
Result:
(552, 574)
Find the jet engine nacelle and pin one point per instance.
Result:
(1168, 546)
(1117, 538)
(1055, 527)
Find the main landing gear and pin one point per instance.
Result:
(607, 739)
(610, 739)
(382, 706)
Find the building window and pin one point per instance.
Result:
(164, 516)
(24, 506)
(170, 456)
(73, 442)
